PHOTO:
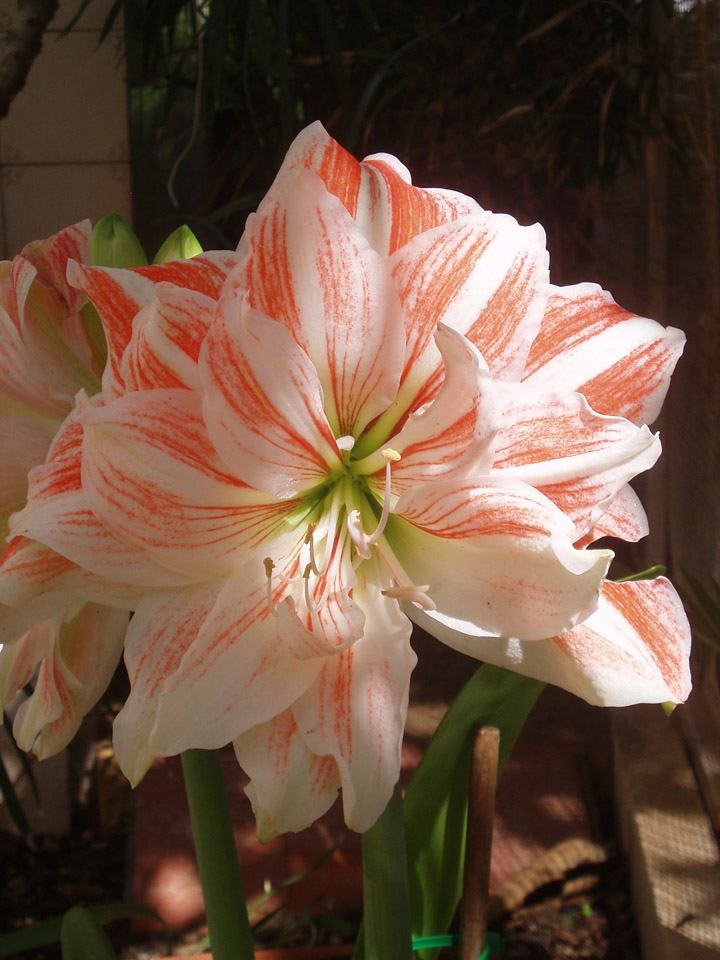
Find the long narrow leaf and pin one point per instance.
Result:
(82, 937)
(437, 798)
(42, 934)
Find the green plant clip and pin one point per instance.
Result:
(493, 944)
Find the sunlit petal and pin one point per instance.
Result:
(622, 363)
(498, 558)
(355, 710)
(634, 649)
(309, 267)
(377, 193)
(271, 430)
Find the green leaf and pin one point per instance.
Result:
(437, 799)
(49, 931)
(82, 937)
(386, 900)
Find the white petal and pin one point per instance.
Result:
(290, 786)
(634, 649)
(498, 558)
(355, 710)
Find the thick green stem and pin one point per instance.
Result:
(386, 896)
(217, 860)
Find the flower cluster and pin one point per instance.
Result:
(51, 346)
(377, 410)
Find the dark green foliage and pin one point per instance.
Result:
(518, 104)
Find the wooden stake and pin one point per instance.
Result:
(481, 812)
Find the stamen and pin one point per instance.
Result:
(310, 600)
(411, 594)
(310, 541)
(391, 456)
(362, 540)
(269, 567)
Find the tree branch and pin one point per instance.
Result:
(24, 43)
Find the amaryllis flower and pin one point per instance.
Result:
(386, 412)
(51, 346)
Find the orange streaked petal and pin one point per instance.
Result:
(238, 672)
(119, 295)
(486, 277)
(166, 340)
(355, 710)
(73, 676)
(498, 558)
(633, 649)
(152, 477)
(621, 362)
(309, 267)
(290, 786)
(576, 457)
(377, 193)
(452, 436)
(271, 430)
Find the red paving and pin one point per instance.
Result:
(539, 804)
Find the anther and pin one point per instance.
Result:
(310, 600)
(269, 567)
(310, 541)
(345, 443)
(411, 594)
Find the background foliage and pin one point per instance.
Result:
(532, 106)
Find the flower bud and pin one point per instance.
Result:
(182, 244)
(115, 245)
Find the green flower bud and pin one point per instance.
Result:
(182, 244)
(115, 245)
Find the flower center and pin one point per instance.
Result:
(337, 517)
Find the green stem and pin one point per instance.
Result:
(218, 865)
(386, 896)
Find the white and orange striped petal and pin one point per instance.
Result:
(634, 649)
(119, 295)
(310, 268)
(377, 193)
(355, 709)
(486, 277)
(498, 557)
(239, 670)
(166, 339)
(290, 786)
(271, 430)
(454, 434)
(578, 458)
(153, 479)
(77, 652)
(621, 362)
